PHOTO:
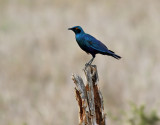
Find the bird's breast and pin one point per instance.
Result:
(81, 42)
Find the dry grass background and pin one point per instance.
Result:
(38, 55)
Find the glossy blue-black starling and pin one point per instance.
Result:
(90, 44)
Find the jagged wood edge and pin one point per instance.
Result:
(81, 97)
(91, 97)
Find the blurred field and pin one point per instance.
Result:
(38, 55)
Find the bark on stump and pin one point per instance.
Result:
(89, 98)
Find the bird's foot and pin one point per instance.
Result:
(87, 64)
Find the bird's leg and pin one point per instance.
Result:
(90, 62)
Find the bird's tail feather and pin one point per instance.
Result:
(114, 55)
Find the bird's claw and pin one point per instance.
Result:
(87, 64)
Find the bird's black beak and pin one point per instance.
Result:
(70, 28)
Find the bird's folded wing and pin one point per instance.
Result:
(96, 44)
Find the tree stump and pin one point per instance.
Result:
(89, 98)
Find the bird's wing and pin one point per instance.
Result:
(95, 44)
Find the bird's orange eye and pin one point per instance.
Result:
(76, 28)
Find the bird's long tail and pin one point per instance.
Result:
(111, 53)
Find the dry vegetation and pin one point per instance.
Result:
(38, 55)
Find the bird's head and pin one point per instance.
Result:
(76, 29)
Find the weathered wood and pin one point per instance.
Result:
(89, 97)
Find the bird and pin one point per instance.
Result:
(91, 45)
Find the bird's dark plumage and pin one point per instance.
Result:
(90, 44)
